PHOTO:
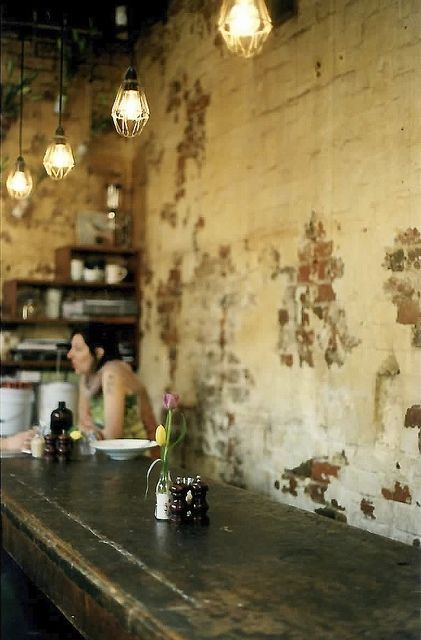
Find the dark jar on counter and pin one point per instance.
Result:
(61, 419)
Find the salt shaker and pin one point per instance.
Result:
(50, 452)
(178, 504)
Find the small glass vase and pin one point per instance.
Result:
(162, 505)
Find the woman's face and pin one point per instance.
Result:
(82, 359)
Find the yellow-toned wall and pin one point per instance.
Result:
(32, 229)
(282, 233)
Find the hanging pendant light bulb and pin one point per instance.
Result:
(244, 25)
(58, 158)
(19, 180)
(130, 110)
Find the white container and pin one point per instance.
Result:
(15, 410)
(76, 269)
(52, 303)
(50, 394)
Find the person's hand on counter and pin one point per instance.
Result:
(18, 441)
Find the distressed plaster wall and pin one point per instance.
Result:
(281, 292)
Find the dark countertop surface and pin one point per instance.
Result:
(258, 570)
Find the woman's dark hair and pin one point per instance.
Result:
(96, 335)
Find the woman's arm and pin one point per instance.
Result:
(18, 441)
(84, 414)
(114, 391)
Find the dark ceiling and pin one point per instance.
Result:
(44, 19)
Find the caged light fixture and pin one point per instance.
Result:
(130, 111)
(19, 180)
(58, 158)
(244, 25)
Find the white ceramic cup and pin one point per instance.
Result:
(76, 269)
(93, 275)
(115, 273)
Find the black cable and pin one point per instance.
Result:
(61, 71)
(21, 95)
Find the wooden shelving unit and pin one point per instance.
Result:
(126, 325)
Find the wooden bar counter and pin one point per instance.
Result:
(84, 534)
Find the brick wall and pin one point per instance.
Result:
(282, 234)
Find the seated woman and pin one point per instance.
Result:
(113, 402)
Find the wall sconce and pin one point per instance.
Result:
(58, 158)
(244, 25)
(19, 180)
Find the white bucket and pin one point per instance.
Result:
(50, 394)
(15, 410)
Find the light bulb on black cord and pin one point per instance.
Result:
(19, 180)
(244, 25)
(130, 110)
(58, 158)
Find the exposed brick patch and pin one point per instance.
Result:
(169, 300)
(316, 491)
(313, 477)
(169, 214)
(367, 507)
(192, 144)
(321, 471)
(404, 288)
(413, 416)
(199, 224)
(413, 419)
(292, 486)
(310, 317)
(398, 493)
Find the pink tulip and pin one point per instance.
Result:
(170, 400)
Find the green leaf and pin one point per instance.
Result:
(151, 466)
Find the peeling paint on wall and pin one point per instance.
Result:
(192, 144)
(413, 419)
(405, 291)
(398, 493)
(367, 507)
(310, 317)
(313, 478)
(169, 300)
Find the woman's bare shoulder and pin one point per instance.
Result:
(122, 370)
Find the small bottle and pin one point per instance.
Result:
(37, 446)
(61, 418)
(162, 507)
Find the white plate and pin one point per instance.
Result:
(123, 449)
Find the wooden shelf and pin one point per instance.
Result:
(99, 248)
(128, 320)
(36, 364)
(72, 284)
(126, 326)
